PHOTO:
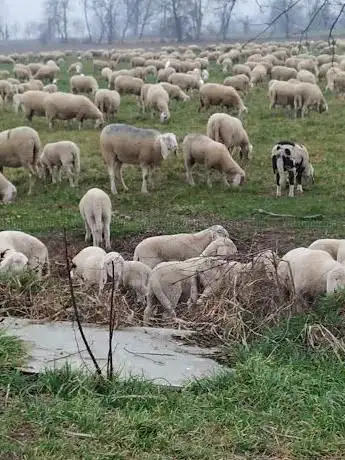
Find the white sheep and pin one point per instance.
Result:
(221, 95)
(153, 250)
(31, 102)
(335, 247)
(30, 246)
(95, 209)
(229, 130)
(309, 95)
(239, 82)
(108, 102)
(125, 84)
(185, 81)
(306, 76)
(175, 92)
(88, 265)
(155, 98)
(129, 274)
(126, 144)
(310, 272)
(8, 191)
(12, 261)
(80, 84)
(58, 157)
(200, 149)
(19, 148)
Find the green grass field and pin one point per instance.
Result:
(286, 398)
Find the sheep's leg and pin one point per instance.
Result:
(291, 184)
(225, 180)
(59, 173)
(119, 170)
(150, 178)
(145, 173)
(87, 232)
(279, 189)
(299, 181)
(189, 176)
(111, 172)
(150, 307)
(209, 180)
(193, 297)
(106, 232)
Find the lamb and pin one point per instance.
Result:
(31, 102)
(185, 81)
(108, 102)
(334, 247)
(175, 92)
(306, 76)
(95, 209)
(283, 73)
(310, 272)
(163, 248)
(125, 84)
(215, 94)
(19, 148)
(309, 95)
(198, 148)
(88, 265)
(292, 158)
(155, 97)
(61, 156)
(129, 274)
(80, 84)
(12, 261)
(8, 191)
(30, 246)
(126, 144)
(229, 130)
(64, 106)
(239, 82)
(173, 280)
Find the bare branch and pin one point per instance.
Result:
(312, 19)
(330, 35)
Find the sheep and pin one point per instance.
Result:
(198, 148)
(283, 73)
(338, 77)
(88, 265)
(8, 191)
(64, 106)
(309, 95)
(281, 93)
(31, 102)
(156, 99)
(239, 82)
(330, 78)
(80, 84)
(125, 84)
(76, 67)
(241, 69)
(258, 75)
(51, 88)
(22, 72)
(163, 248)
(12, 261)
(175, 92)
(108, 102)
(121, 143)
(334, 247)
(310, 272)
(164, 74)
(95, 209)
(229, 130)
(173, 280)
(185, 81)
(30, 246)
(215, 94)
(129, 274)
(47, 73)
(226, 65)
(293, 159)
(61, 156)
(306, 76)
(6, 90)
(308, 64)
(19, 148)
(32, 85)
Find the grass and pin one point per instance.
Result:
(286, 397)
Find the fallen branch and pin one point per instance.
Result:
(272, 214)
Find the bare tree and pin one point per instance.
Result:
(56, 17)
(196, 14)
(289, 17)
(224, 10)
(105, 12)
(86, 6)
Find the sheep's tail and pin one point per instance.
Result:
(76, 160)
(35, 153)
(136, 257)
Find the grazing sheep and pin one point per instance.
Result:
(7, 90)
(125, 84)
(130, 274)
(22, 72)
(334, 247)
(31, 102)
(226, 65)
(283, 73)
(330, 78)
(306, 76)
(12, 261)
(8, 191)
(95, 209)
(108, 102)
(155, 98)
(31, 85)
(30, 246)
(220, 95)
(310, 272)
(164, 74)
(163, 248)
(125, 144)
(51, 88)
(239, 69)
(293, 159)
(175, 92)
(308, 64)
(88, 265)
(47, 73)
(19, 148)
(76, 67)
(281, 93)
(83, 84)
(229, 130)
(185, 81)
(309, 95)
(61, 156)
(64, 106)
(200, 149)
(258, 75)
(239, 82)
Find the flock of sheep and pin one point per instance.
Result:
(166, 268)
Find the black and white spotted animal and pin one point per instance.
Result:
(291, 159)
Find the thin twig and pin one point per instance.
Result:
(110, 365)
(312, 19)
(74, 304)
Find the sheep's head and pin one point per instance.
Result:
(218, 232)
(336, 279)
(323, 107)
(205, 75)
(164, 117)
(168, 143)
(10, 194)
(113, 263)
(238, 179)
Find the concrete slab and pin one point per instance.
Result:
(150, 353)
